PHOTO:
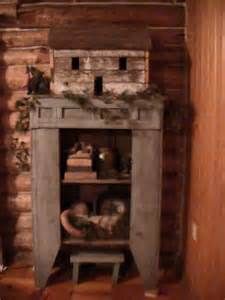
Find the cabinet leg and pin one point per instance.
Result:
(76, 272)
(115, 276)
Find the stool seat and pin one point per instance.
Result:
(114, 258)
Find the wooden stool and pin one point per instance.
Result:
(96, 257)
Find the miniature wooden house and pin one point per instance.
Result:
(94, 66)
(99, 59)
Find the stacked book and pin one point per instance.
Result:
(79, 167)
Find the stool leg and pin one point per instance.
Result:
(76, 272)
(115, 276)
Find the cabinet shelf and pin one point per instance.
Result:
(96, 243)
(98, 181)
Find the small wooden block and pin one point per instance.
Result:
(152, 293)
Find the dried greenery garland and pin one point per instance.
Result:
(22, 154)
(24, 106)
(146, 99)
(19, 148)
(175, 115)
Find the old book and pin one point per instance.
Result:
(80, 175)
(78, 162)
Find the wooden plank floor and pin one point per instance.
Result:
(17, 284)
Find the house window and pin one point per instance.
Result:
(75, 63)
(123, 63)
(98, 86)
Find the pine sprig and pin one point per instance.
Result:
(24, 106)
(149, 98)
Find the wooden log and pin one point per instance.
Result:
(16, 223)
(8, 100)
(18, 203)
(99, 63)
(167, 39)
(59, 86)
(153, 15)
(97, 54)
(23, 38)
(119, 88)
(167, 77)
(16, 183)
(20, 257)
(8, 9)
(9, 162)
(21, 240)
(6, 139)
(9, 120)
(27, 56)
(109, 76)
(16, 78)
(168, 56)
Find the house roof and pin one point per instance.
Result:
(101, 37)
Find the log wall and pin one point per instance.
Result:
(24, 40)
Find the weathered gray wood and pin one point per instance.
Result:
(103, 63)
(115, 275)
(99, 53)
(46, 201)
(109, 76)
(146, 126)
(99, 244)
(60, 85)
(145, 207)
(97, 257)
(76, 267)
(61, 113)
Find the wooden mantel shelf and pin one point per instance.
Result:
(97, 181)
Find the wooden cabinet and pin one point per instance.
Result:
(47, 122)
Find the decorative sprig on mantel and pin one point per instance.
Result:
(146, 99)
(22, 154)
(38, 84)
(24, 106)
